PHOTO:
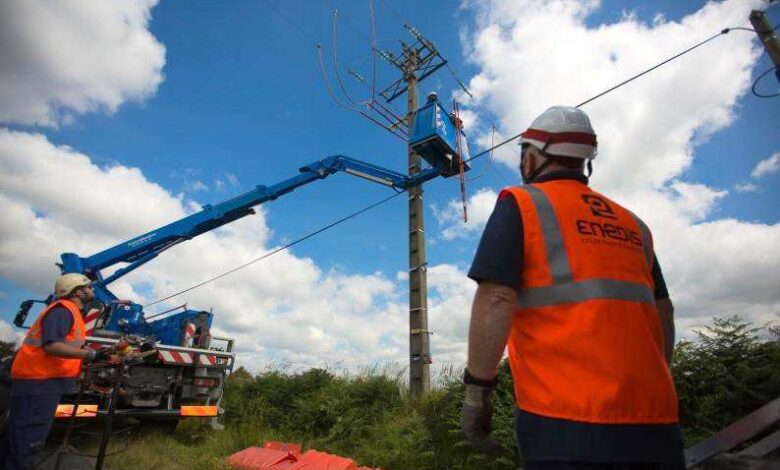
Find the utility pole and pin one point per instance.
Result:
(416, 62)
(767, 37)
(419, 338)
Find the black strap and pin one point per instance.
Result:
(469, 379)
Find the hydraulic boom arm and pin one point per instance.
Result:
(146, 247)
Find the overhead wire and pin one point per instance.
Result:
(335, 99)
(373, 48)
(624, 82)
(725, 31)
(289, 20)
(282, 248)
(335, 47)
(392, 120)
(758, 79)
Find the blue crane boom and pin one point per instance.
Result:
(146, 247)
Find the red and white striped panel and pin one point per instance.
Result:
(187, 358)
(189, 334)
(90, 320)
(176, 357)
(207, 360)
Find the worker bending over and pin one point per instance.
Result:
(568, 279)
(45, 368)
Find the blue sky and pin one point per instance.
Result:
(243, 102)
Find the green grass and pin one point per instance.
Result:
(368, 417)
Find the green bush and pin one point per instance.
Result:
(727, 371)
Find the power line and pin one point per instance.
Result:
(625, 82)
(285, 247)
(758, 79)
(725, 31)
(289, 20)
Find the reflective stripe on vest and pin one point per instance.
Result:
(647, 241)
(564, 289)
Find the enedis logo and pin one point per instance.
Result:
(605, 230)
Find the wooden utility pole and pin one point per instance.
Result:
(419, 339)
(767, 36)
(416, 62)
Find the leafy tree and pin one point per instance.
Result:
(7, 348)
(726, 373)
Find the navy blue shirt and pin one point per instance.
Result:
(54, 328)
(499, 259)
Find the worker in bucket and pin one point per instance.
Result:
(569, 281)
(45, 368)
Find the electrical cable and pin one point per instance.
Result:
(373, 49)
(725, 31)
(289, 20)
(336, 57)
(335, 99)
(740, 28)
(460, 83)
(758, 79)
(282, 248)
(393, 120)
(625, 82)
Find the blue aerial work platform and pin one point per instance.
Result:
(436, 137)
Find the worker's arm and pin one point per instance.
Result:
(666, 314)
(54, 329)
(491, 319)
(67, 351)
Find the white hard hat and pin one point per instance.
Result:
(564, 131)
(67, 282)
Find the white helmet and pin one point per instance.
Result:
(67, 282)
(563, 131)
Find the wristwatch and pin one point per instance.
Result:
(469, 379)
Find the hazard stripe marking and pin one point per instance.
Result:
(90, 320)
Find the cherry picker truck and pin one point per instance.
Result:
(184, 366)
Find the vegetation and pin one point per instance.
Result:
(728, 370)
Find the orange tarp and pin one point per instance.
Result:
(285, 456)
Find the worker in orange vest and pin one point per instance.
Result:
(569, 281)
(46, 367)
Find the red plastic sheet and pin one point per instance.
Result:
(287, 456)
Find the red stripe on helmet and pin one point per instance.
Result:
(560, 137)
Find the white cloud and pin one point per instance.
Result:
(527, 53)
(232, 179)
(764, 167)
(479, 207)
(70, 57)
(198, 186)
(746, 188)
(8, 334)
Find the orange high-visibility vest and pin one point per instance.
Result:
(586, 342)
(32, 362)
